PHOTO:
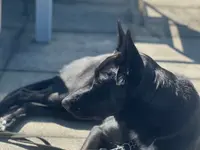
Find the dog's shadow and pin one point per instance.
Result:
(77, 125)
(49, 127)
(30, 146)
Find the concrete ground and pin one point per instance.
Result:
(171, 35)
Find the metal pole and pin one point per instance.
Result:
(43, 25)
(0, 15)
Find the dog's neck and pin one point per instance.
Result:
(146, 87)
(141, 96)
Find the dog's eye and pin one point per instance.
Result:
(104, 77)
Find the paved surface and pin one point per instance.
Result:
(171, 35)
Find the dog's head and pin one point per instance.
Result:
(99, 87)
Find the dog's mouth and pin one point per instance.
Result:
(77, 114)
(87, 118)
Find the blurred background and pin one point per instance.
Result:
(39, 36)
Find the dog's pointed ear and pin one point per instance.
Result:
(133, 57)
(131, 62)
(120, 35)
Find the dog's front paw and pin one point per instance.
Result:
(6, 122)
(3, 123)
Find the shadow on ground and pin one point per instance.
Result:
(159, 27)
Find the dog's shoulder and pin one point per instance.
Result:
(175, 87)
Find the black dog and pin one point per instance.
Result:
(149, 104)
(154, 108)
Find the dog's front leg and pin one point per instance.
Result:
(95, 139)
(18, 113)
